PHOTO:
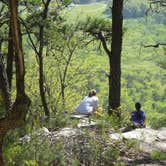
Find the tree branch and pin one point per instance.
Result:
(160, 2)
(155, 45)
(102, 38)
(29, 35)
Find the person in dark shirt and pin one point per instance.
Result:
(137, 119)
(138, 116)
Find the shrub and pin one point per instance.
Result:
(158, 155)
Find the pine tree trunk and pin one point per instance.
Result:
(115, 58)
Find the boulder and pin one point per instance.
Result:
(149, 139)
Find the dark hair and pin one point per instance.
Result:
(138, 106)
(92, 93)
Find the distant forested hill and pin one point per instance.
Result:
(137, 9)
(132, 9)
(87, 1)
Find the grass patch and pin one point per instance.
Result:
(158, 155)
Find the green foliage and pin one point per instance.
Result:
(84, 149)
(156, 120)
(95, 25)
(141, 75)
(162, 62)
(157, 155)
(132, 143)
(66, 2)
(136, 8)
(60, 121)
(113, 122)
(15, 150)
(34, 153)
(80, 12)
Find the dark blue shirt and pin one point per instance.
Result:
(138, 117)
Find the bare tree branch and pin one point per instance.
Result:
(155, 45)
(29, 35)
(103, 40)
(158, 2)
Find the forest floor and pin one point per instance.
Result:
(131, 151)
(135, 147)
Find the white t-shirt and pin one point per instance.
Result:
(87, 105)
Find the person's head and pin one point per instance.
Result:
(137, 106)
(92, 93)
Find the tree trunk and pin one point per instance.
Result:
(17, 42)
(4, 89)
(1, 45)
(115, 58)
(41, 86)
(1, 150)
(40, 56)
(63, 76)
(15, 116)
(10, 55)
(63, 95)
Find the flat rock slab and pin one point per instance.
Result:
(86, 122)
(67, 132)
(79, 116)
(148, 138)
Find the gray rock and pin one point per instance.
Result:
(148, 138)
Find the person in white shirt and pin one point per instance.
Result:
(89, 104)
